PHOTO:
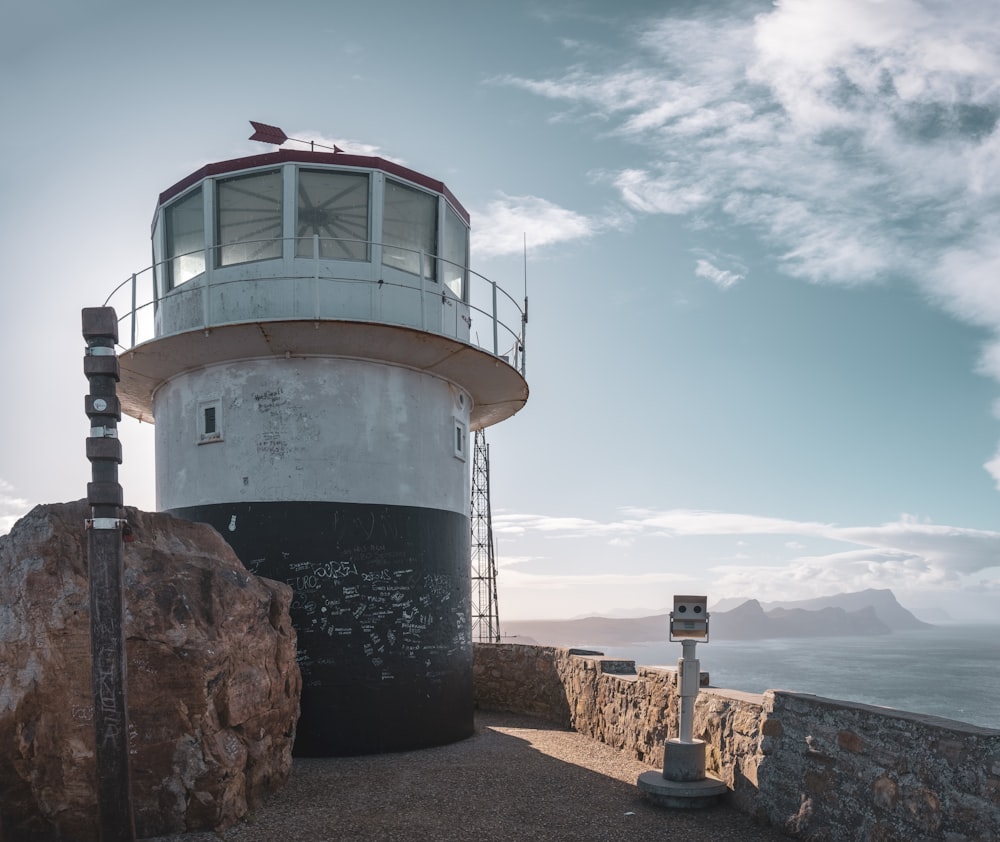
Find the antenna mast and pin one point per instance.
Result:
(485, 616)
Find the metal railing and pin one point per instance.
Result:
(504, 319)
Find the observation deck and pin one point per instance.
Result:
(297, 254)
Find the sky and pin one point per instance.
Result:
(762, 257)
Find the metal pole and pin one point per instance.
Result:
(133, 311)
(496, 343)
(689, 674)
(524, 335)
(206, 288)
(423, 296)
(106, 573)
(315, 245)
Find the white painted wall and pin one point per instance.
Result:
(314, 429)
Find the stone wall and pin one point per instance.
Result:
(818, 769)
(829, 765)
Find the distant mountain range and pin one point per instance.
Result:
(866, 612)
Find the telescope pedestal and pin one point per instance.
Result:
(683, 783)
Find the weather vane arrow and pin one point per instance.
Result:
(272, 134)
(267, 134)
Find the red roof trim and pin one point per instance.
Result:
(302, 156)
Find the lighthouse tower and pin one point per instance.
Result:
(318, 354)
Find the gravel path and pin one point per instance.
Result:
(517, 779)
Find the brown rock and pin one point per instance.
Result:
(772, 728)
(213, 686)
(886, 792)
(924, 808)
(849, 741)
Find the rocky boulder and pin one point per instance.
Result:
(213, 685)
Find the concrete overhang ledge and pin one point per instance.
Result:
(497, 389)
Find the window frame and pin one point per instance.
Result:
(460, 440)
(460, 224)
(222, 245)
(206, 436)
(171, 255)
(407, 248)
(303, 244)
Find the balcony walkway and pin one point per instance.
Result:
(518, 778)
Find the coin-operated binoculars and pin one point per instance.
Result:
(684, 782)
(689, 625)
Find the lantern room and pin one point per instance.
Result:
(239, 237)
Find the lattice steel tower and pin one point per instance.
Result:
(485, 615)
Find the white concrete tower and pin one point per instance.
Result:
(314, 371)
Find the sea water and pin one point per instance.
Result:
(950, 670)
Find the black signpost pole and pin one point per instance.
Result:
(106, 566)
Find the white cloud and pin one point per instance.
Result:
(648, 193)
(347, 145)
(860, 138)
(12, 508)
(957, 550)
(501, 228)
(989, 365)
(992, 467)
(573, 527)
(954, 549)
(617, 92)
(908, 553)
(506, 561)
(722, 278)
(815, 576)
(521, 579)
(966, 282)
(700, 522)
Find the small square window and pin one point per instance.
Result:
(209, 422)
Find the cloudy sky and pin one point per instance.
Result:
(763, 260)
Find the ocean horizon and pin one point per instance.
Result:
(951, 670)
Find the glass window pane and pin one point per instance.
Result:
(248, 211)
(409, 226)
(455, 253)
(185, 238)
(333, 206)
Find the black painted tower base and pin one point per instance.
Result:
(382, 612)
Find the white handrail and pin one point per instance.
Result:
(139, 310)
